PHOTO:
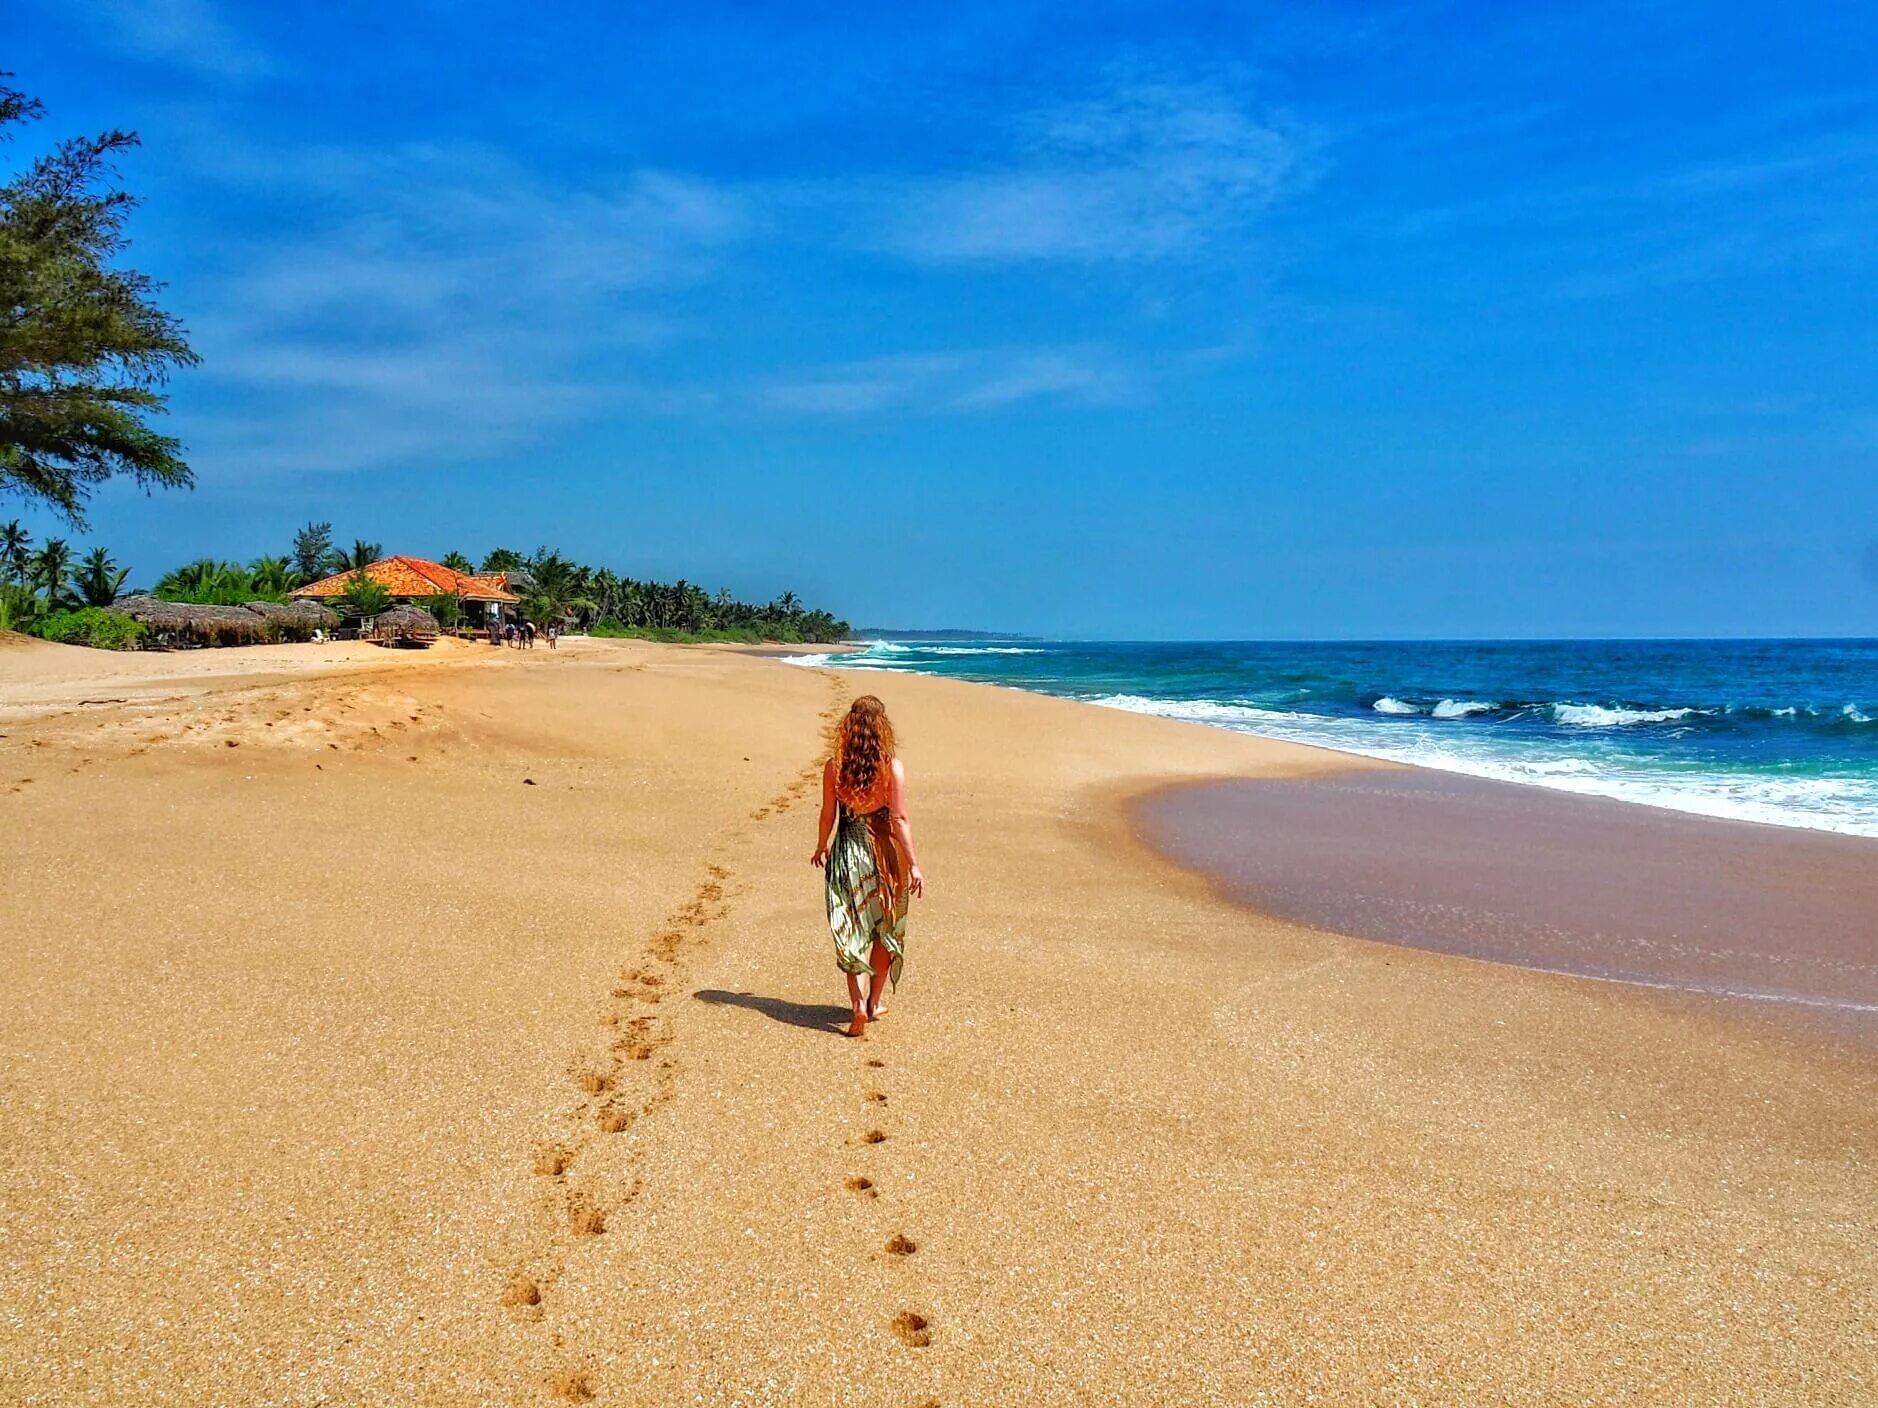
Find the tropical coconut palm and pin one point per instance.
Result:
(557, 588)
(457, 562)
(271, 578)
(502, 560)
(16, 546)
(206, 582)
(361, 554)
(49, 568)
(99, 579)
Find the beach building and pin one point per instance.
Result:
(485, 596)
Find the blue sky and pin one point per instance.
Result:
(1228, 320)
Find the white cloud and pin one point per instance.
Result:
(1146, 170)
(978, 380)
(455, 310)
(187, 34)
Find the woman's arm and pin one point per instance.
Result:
(828, 813)
(902, 828)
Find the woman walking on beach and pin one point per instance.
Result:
(866, 845)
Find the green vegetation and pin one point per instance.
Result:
(363, 596)
(99, 579)
(312, 549)
(93, 626)
(360, 554)
(610, 629)
(38, 583)
(447, 610)
(597, 598)
(206, 582)
(84, 350)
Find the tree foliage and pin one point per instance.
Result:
(445, 607)
(207, 582)
(362, 596)
(360, 554)
(84, 349)
(599, 597)
(312, 551)
(49, 569)
(15, 547)
(98, 578)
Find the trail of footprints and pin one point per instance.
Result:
(910, 1327)
(629, 1082)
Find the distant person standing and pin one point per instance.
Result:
(554, 634)
(508, 633)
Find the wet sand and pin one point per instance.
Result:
(1545, 879)
(456, 1028)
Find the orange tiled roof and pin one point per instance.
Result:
(416, 577)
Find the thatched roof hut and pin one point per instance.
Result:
(404, 625)
(302, 615)
(191, 622)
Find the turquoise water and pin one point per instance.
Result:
(1781, 732)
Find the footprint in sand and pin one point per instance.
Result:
(586, 1220)
(876, 1097)
(521, 1291)
(900, 1245)
(874, 1136)
(553, 1161)
(573, 1385)
(912, 1328)
(864, 1186)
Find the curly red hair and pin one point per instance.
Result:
(863, 746)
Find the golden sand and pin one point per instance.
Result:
(459, 1027)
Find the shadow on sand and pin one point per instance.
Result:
(816, 1016)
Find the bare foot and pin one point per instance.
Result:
(858, 1027)
(876, 1010)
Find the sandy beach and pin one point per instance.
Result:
(460, 1026)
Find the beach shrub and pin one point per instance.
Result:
(93, 626)
(446, 608)
(363, 596)
(743, 635)
(20, 606)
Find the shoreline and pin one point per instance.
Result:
(1575, 886)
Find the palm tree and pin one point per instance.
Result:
(272, 577)
(502, 560)
(606, 593)
(208, 582)
(15, 547)
(363, 554)
(457, 562)
(99, 579)
(49, 568)
(557, 588)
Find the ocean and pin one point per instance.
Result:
(1773, 731)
